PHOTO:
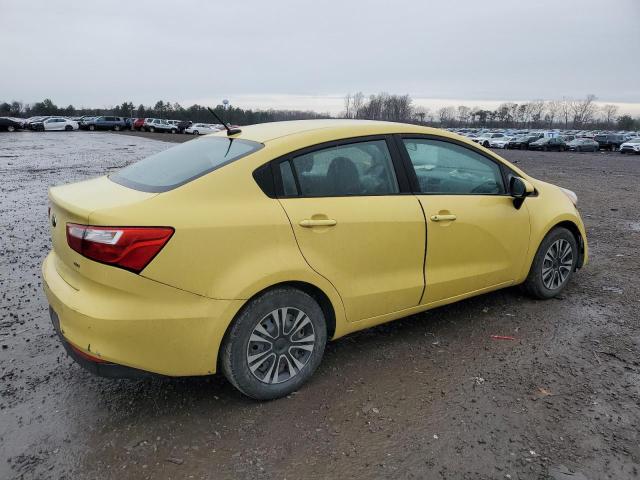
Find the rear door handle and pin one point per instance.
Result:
(325, 222)
(443, 218)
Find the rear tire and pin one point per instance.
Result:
(275, 344)
(92, 127)
(68, 128)
(553, 265)
(11, 128)
(116, 128)
(195, 132)
(152, 129)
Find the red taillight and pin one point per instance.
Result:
(131, 248)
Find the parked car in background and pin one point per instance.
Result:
(8, 124)
(104, 123)
(549, 144)
(35, 123)
(485, 138)
(201, 129)
(609, 141)
(60, 124)
(568, 138)
(583, 145)
(500, 142)
(631, 146)
(138, 123)
(522, 142)
(83, 122)
(159, 125)
(183, 125)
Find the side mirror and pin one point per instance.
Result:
(519, 189)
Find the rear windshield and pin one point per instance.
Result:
(179, 165)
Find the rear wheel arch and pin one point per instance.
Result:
(310, 289)
(321, 298)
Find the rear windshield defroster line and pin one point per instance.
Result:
(178, 165)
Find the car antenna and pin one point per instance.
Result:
(230, 131)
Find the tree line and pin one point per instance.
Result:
(161, 109)
(565, 113)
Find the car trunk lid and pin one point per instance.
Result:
(74, 203)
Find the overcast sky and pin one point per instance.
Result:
(309, 53)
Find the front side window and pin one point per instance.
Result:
(179, 165)
(450, 169)
(363, 168)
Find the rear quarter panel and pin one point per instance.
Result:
(231, 241)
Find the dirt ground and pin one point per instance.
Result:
(431, 396)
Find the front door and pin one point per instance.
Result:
(476, 238)
(355, 227)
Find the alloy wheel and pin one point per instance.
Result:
(280, 345)
(557, 264)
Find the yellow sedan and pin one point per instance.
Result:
(246, 251)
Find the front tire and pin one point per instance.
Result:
(68, 128)
(553, 265)
(275, 344)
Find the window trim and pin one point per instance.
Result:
(505, 172)
(396, 161)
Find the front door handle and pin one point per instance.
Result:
(443, 218)
(325, 222)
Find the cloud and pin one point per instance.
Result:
(278, 53)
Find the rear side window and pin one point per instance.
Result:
(181, 164)
(363, 168)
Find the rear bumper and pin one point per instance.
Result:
(137, 326)
(92, 364)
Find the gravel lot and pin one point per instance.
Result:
(430, 396)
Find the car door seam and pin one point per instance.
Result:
(295, 238)
(424, 257)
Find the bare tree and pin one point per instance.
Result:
(464, 113)
(446, 114)
(347, 106)
(422, 113)
(583, 110)
(609, 112)
(536, 108)
(566, 107)
(357, 104)
(552, 108)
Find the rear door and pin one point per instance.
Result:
(476, 238)
(356, 223)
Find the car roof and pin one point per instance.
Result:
(266, 132)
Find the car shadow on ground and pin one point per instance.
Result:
(465, 320)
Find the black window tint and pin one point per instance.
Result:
(447, 168)
(181, 164)
(289, 187)
(363, 168)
